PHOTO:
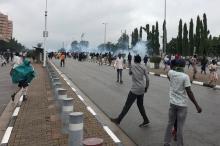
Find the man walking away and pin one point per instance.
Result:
(119, 65)
(204, 62)
(145, 60)
(129, 59)
(194, 62)
(110, 58)
(139, 87)
(62, 60)
(179, 89)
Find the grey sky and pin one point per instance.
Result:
(68, 19)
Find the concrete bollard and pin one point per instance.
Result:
(93, 142)
(56, 85)
(75, 129)
(62, 94)
(67, 108)
(55, 80)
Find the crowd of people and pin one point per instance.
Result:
(194, 61)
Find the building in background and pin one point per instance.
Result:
(6, 28)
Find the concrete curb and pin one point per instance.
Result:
(116, 140)
(7, 134)
(193, 82)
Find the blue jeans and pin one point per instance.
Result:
(178, 113)
(119, 75)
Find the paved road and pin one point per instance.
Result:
(6, 87)
(98, 83)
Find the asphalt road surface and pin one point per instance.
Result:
(99, 84)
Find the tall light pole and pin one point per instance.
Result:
(45, 35)
(105, 33)
(165, 28)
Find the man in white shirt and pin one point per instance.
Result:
(119, 65)
(179, 89)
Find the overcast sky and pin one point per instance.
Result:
(68, 19)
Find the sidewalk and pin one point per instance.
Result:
(38, 123)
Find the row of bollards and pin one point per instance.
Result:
(72, 122)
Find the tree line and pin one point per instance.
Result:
(198, 40)
(190, 39)
(13, 46)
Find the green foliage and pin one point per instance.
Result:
(198, 36)
(123, 41)
(155, 59)
(180, 38)
(164, 36)
(157, 43)
(140, 34)
(13, 45)
(172, 46)
(185, 41)
(191, 38)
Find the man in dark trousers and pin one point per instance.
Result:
(139, 87)
(129, 59)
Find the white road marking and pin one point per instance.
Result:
(111, 134)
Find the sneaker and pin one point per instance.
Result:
(116, 121)
(144, 124)
(13, 97)
(174, 134)
(24, 98)
(121, 82)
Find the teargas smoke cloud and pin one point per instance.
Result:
(140, 48)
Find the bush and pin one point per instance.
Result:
(155, 59)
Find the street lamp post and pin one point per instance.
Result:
(105, 34)
(165, 29)
(45, 35)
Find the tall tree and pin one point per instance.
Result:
(123, 41)
(198, 35)
(135, 36)
(172, 46)
(202, 39)
(164, 36)
(157, 43)
(185, 41)
(180, 37)
(205, 34)
(140, 34)
(152, 39)
(148, 31)
(191, 38)
(132, 39)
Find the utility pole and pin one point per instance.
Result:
(165, 28)
(45, 35)
(105, 34)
